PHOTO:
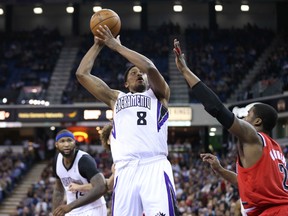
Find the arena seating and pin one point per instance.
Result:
(223, 57)
(27, 59)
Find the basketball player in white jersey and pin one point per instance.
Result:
(143, 175)
(105, 142)
(76, 166)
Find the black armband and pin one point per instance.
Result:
(212, 104)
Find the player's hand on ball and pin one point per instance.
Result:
(99, 42)
(107, 38)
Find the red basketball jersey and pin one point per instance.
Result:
(265, 184)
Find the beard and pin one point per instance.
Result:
(140, 88)
(67, 153)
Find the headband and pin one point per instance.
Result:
(65, 134)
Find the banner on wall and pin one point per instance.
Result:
(65, 114)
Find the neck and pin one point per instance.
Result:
(69, 157)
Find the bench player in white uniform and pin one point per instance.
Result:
(76, 166)
(143, 175)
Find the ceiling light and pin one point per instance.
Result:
(218, 7)
(97, 8)
(245, 7)
(38, 10)
(212, 134)
(70, 9)
(137, 8)
(177, 7)
(213, 129)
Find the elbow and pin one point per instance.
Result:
(104, 186)
(147, 66)
(80, 75)
(150, 69)
(150, 66)
(103, 189)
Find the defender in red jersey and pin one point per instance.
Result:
(262, 174)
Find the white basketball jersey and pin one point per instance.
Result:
(139, 127)
(73, 175)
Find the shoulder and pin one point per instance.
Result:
(153, 95)
(86, 159)
(149, 92)
(56, 157)
(80, 153)
(54, 164)
(120, 93)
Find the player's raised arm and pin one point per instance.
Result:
(212, 103)
(145, 65)
(97, 87)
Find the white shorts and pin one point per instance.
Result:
(144, 186)
(98, 211)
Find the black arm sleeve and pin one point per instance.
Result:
(87, 167)
(213, 105)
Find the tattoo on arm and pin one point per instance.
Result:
(98, 190)
(58, 194)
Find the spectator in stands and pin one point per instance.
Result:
(7, 142)
(50, 146)
(41, 207)
(260, 157)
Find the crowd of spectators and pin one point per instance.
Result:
(13, 166)
(222, 57)
(273, 75)
(219, 57)
(27, 58)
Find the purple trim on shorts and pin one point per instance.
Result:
(171, 196)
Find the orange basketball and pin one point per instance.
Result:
(105, 17)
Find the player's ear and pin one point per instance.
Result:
(258, 122)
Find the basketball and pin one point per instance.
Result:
(105, 17)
